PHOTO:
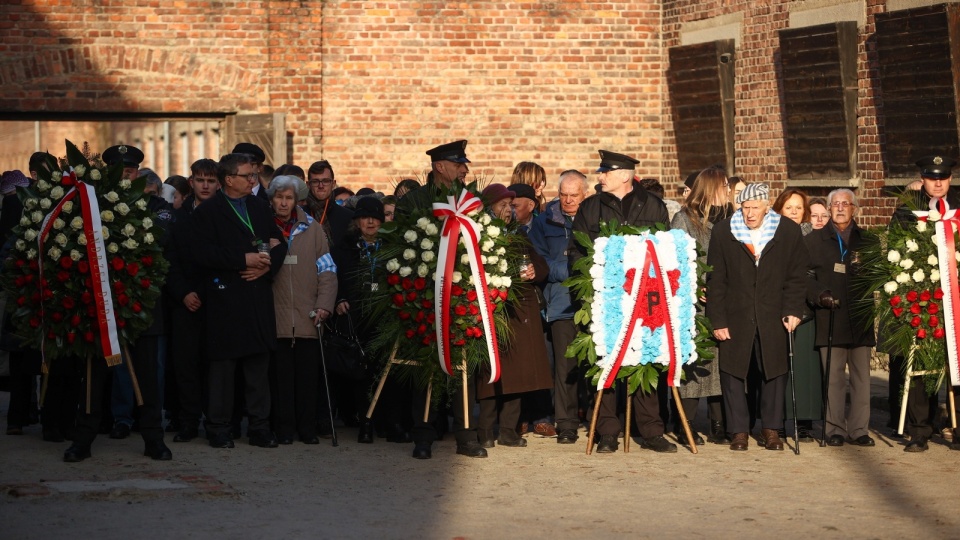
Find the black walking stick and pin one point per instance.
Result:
(793, 392)
(826, 376)
(326, 382)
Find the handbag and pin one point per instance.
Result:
(343, 354)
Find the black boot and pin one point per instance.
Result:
(718, 435)
(365, 435)
(682, 435)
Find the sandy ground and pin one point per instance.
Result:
(544, 490)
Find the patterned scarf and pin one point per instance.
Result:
(742, 233)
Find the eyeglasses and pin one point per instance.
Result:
(250, 177)
(326, 182)
(842, 204)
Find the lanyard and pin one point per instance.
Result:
(843, 250)
(371, 257)
(245, 220)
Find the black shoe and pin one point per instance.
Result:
(324, 430)
(659, 444)
(313, 439)
(682, 436)
(863, 440)
(567, 436)
(916, 445)
(120, 431)
(365, 435)
(285, 439)
(235, 431)
(485, 438)
(221, 441)
(608, 444)
(510, 439)
(718, 434)
(835, 440)
(53, 435)
(76, 454)
(896, 436)
(471, 449)
(422, 451)
(157, 451)
(186, 434)
(396, 434)
(804, 435)
(263, 439)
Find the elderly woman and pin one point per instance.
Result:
(707, 204)
(792, 203)
(304, 292)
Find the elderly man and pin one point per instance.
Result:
(936, 172)
(524, 203)
(237, 248)
(755, 296)
(550, 235)
(259, 158)
(833, 263)
(622, 200)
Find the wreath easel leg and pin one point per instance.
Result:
(45, 370)
(466, 393)
(89, 370)
(383, 380)
(133, 376)
(593, 422)
(683, 420)
(953, 409)
(626, 427)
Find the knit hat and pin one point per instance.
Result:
(11, 180)
(369, 207)
(495, 193)
(524, 191)
(754, 192)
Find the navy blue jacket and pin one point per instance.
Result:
(550, 236)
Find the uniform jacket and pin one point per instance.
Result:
(240, 318)
(164, 217)
(550, 236)
(308, 284)
(853, 325)
(748, 298)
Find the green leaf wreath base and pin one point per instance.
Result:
(645, 376)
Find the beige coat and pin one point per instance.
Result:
(306, 282)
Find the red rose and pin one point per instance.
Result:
(407, 284)
(44, 282)
(34, 322)
(75, 320)
(427, 304)
(91, 311)
(938, 294)
(35, 297)
(87, 283)
(912, 296)
(472, 295)
(34, 265)
(71, 337)
(119, 287)
(398, 300)
(68, 302)
(915, 322)
(20, 281)
(117, 263)
(86, 297)
(47, 294)
(411, 296)
(28, 278)
(147, 260)
(57, 316)
(51, 335)
(121, 323)
(459, 343)
(938, 333)
(456, 290)
(21, 301)
(897, 311)
(88, 337)
(460, 310)
(66, 262)
(123, 299)
(393, 279)
(83, 267)
(925, 296)
(493, 293)
(20, 263)
(133, 268)
(474, 309)
(137, 308)
(63, 275)
(410, 333)
(932, 308)
(422, 329)
(404, 316)
(895, 301)
(915, 309)
(921, 333)
(933, 321)
(420, 316)
(425, 340)
(419, 284)
(145, 283)
(431, 318)
(503, 294)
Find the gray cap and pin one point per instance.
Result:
(754, 192)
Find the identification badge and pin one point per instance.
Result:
(372, 287)
(840, 268)
(290, 259)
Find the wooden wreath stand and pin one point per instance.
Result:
(133, 377)
(906, 391)
(426, 410)
(628, 420)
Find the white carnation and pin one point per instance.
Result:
(422, 270)
(409, 254)
(112, 248)
(906, 264)
(893, 256)
(405, 271)
(75, 255)
(935, 275)
(932, 260)
(410, 236)
(918, 276)
(56, 192)
(80, 170)
(890, 287)
(122, 208)
(129, 243)
(922, 226)
(902, 277)
(493, 232)
(106, 216)
(54, 253)
(147, 223)
(61, 239)
(94, 175)
(37, 217)
(148, 238)
(456, 277)
(30, 235)
(393, 265)
(912, 246)
(431, 229)
(426, 243)
(76, 223)
(427, 256)
(112, 196)
(59, 224)
(68, 207)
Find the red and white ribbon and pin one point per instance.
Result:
(946, 230)
(456, 220)
(96, 255)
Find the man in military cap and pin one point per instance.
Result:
(259, 158)
(130, 156)
(621, 199)
(936, 172)
(448, 163)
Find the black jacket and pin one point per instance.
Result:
(240, 317)
(853, 325)
(334, 218)
(903, 215)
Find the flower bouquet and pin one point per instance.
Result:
(85, 268)
(638, 294)
(448, 271)
(913, 266)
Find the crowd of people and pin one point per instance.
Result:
(261, 258)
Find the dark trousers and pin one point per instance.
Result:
(918, 423)
(24, 368)
(735, 403)
(190, 366)
(293, 375)
(425, 433)
(222, 379)
(646, 414)
(567, 376)
(506, 409)
(59, 407)
(145, 353)
(898, 369)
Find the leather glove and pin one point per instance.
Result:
(827, 300)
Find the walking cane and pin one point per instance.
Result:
(326, 382)
(826, 376)
(793, 392)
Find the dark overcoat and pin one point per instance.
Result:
(524, 365)
(748, 298)
(852, 323)
(240, 318)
